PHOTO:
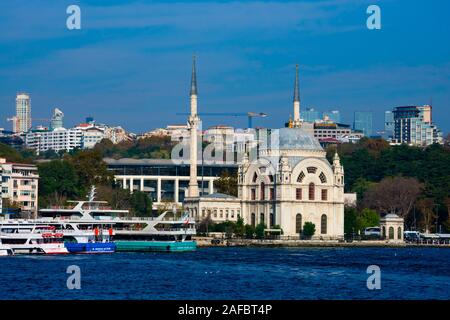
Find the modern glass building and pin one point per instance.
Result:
(414, 126)
(389, 124)
(363, 121)
(310, 115)
(163, 179)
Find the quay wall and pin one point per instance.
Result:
(207, 242)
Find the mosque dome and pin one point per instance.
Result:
(295, 139)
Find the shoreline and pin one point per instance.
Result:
(203, 242)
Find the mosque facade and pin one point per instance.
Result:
(288, 182)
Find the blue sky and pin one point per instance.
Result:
(130, 63)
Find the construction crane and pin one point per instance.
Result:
(250, 115)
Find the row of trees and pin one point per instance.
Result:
(412, 182)
(71, 175)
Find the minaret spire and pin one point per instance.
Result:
(297, 122)
(194, 77)
(193, 122)
(296, 86)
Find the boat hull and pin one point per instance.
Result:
(156, 246)
(95, 247)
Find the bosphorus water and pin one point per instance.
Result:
(233, 273)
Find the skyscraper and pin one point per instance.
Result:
(414, 126)
(23, 113)
(363, 122)
(57, 119)
(389, 124)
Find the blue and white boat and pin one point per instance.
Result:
(93, 227)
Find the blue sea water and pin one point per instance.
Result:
(233, 273)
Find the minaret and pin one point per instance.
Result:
(297, 122)
(193, 127)
(338, 170)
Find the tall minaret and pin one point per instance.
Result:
(297, 122)
(193, 127)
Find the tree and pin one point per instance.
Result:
(426, 207)
(249, 231)
(239, 228)
(393, 195)
(141, 204)
(361, 186)
(309, 229)
(90, 168)
(350, 220)
(117, 198)
(58, 181)
(227, 184)
(259, 230)
(205, 224)
(367, 218)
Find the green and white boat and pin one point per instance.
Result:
(168, 232)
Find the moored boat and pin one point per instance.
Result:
(27, 237)
(167, 232)
(5, 250)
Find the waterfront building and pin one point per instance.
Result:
(363, 122)
(414, 126)
(20, 185)
(290, 182)
(22, 120)
(57, 119)
(164, 180)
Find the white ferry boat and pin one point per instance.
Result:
(23, 236)
(5, 250)
(166, 232)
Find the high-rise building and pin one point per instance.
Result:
(57, 119)
(23, 113)
(414, 126)
(333, 115)
(389, 124)
(363, 122)
(310, 115)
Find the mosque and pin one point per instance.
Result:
(288, 183)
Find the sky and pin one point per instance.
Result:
(130, 62)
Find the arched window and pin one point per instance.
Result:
(255, 176)
(324, 195)
(263, 191)
(298, 223)
(311, 169)
(383, 233)
(399, 233)
(301, 176)
(312, 191)
(322, 178)
(323, 224)
(272, 220)
(270, 178)
(391, 233)
(253, 220)
(261, 218)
